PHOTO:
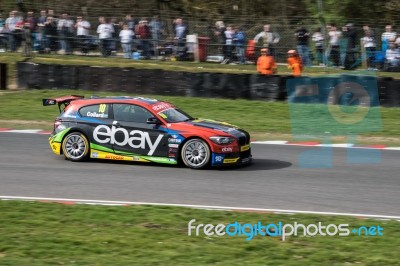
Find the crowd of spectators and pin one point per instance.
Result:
(341, 47)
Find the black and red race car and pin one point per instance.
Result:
(145, 130)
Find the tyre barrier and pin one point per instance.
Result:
(342, 90)
(266, 88)
(3, 76)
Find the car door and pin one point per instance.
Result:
(96, 122)
(133, 135)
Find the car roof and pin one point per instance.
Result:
(116, 99)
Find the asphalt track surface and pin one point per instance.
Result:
(276, 179)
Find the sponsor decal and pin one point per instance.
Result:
(227, 149)
(171, 155)
(175, 150)
(173, 145)
(231, 160)
(245, 147)
(161, 107)
(114, 157)
(136, 158)
(95, 155)
(97, 115)
(172, 140)
(219, 159)
(136, 139)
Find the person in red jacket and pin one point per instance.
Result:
(266, 63)
(144, 34)
(295, 63)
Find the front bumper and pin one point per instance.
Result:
(234, 158)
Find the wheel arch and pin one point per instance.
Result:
(73, 130)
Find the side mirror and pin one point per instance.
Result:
(153, 121)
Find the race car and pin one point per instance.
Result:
(144, 130)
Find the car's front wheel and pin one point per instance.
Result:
(195, 153)
(75, 147)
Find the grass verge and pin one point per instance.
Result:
(265, 120)
(33, 233)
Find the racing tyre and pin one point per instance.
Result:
(75, 147)
(195, 153)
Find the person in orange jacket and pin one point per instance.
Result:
(266, 63)
(295, 63)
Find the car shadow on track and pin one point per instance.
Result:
(258, 165)
(255, 165)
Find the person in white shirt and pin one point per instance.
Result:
(82, 31)
(368, 42)
(105, 31)
(126, 36)
(392, 55)
(269, 39)
(334, 38)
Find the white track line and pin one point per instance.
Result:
(119, 203)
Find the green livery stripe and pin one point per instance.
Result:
(60, 135)
(149, 158)
(101, 148)
(159, 159)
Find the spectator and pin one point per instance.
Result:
(131, 22)
(368, 42)
(392, 55)
(239, 40)
(388, 36)
(143, 33)
(115, 35)
(318, 39)
(350, 33)
(31, 23)
(50, 34)
(302, 36)
(105, 31)
(220, 33)
(2, 22)
(126, 35)
(157, 30)
(40, 33)
(397, 41)
(180, 30)
(294, 63)
(229, 33)
(269, 39)
(334, 46)
(65, 27)
(82, 27)
(10, 27)
(3, 37)
(266, 63)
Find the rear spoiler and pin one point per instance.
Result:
(64, 100)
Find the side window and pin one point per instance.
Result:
(96, 111)
(130, 113)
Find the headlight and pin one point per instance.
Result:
(222, 140)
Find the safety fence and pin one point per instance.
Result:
(380, 91)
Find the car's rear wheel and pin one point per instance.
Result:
(195, 153)
(75, 147)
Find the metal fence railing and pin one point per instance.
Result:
(36, 42)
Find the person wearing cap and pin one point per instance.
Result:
(294, 63)
(266, 63)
